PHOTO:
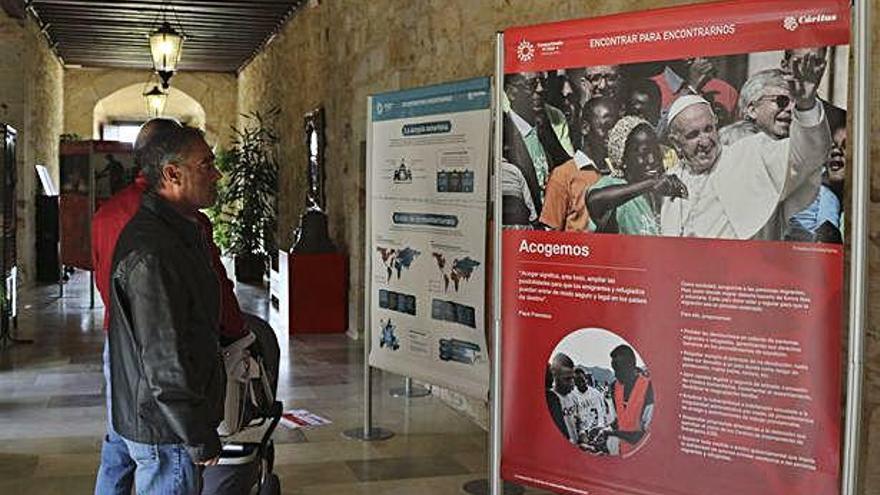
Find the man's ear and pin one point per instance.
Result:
(171, 173)
(750, 112)
(673, 141)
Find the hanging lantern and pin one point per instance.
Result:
(155, 100)
(165, 46)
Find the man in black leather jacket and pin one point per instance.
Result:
(167, 376)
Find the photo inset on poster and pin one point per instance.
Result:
(455, 181)
(460, 351)
(599, 393)
(396, 301)
(747, 146)
(453, 312)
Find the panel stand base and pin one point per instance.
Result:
(481, 487)
(411, 392)
(374, 434)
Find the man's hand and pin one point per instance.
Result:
(671, 186)
(700, 72)
(209, 462)
(803, 81)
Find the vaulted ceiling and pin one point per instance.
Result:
(221, 35)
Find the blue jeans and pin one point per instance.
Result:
(154, 469)
(164, 469)
(116, 473)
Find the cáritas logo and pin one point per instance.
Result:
(792, 23)
(525, 51)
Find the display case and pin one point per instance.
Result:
(8, 260)
(47, 246)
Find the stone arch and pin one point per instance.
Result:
(127, 104)
(216, 92)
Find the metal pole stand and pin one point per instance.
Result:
(62, 279)
(368, 433)
(858, 283)
(92, 289)
(409, 390)
(481, 487)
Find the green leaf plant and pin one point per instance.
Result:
(247, 210)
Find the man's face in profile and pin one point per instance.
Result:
(563, 380)
(198, 175)
(624, 367)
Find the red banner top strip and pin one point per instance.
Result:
(708, 29)
(112, 146)
(76, 147)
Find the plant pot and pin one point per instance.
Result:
(250, 268)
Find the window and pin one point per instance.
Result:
(121, 131)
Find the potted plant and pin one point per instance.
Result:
(220, 213)
(249, 195)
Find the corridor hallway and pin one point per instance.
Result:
(52, 414)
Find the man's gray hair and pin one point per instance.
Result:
(153, 127)
(148, 131)
(754, 88)
(164, 147)
(561, 360)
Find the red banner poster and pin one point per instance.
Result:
(105, 165)
(672, 269)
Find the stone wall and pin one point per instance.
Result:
(31, 100)
(337, 52)
(84, 88)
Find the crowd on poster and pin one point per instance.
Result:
(734, 147)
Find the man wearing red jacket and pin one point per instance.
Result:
(116, 473)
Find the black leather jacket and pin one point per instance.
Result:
(166, 370)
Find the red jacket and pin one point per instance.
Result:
(108, 223)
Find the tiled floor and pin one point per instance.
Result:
(52, 415)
